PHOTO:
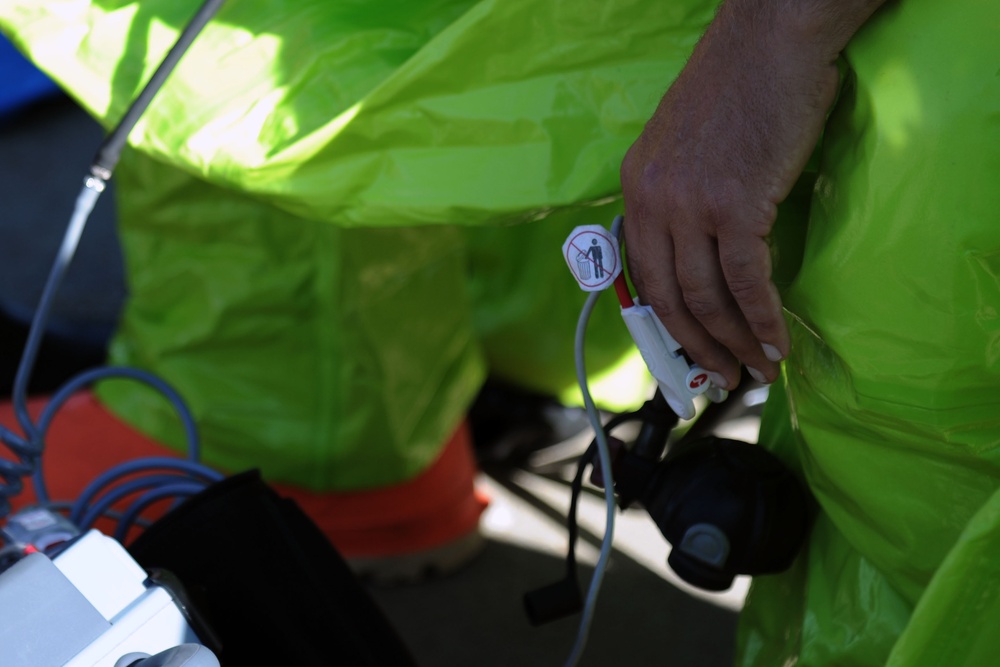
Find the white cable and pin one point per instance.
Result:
(604, 455)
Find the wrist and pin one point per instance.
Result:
(821, 27)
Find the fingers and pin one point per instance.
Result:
(658, 286)
(746, 264)
(709, 298)
(715, 296)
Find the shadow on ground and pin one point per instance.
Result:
(475, 617)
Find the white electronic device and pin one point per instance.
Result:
(91, 605)
(679, 381)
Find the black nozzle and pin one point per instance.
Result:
(553, 602)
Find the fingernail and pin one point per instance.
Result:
(757, 375)
(772, 353)
(718, 380)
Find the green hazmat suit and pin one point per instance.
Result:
(448, 143)
(304, 218)
(891, 403)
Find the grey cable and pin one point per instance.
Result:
(92, 189)
(604, 455)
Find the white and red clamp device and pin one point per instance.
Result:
(679, 381)
(594, 258)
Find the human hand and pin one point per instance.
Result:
(703, 181)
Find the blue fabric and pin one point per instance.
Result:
(20, 82)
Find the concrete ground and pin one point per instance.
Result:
(644, 616)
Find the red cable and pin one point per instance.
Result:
(621, 289)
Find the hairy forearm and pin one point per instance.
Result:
(823, 25)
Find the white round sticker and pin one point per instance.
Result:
(593, 257)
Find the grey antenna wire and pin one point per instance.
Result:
(111, 149)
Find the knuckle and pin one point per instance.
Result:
(733, 212)
(635, 157)
(714, 209)
(654, 185)
(641, 176)
(702, 306)
(719, 206)
(682, 195)
(743, 276)
(747, 292)
(739, 262)
(665, 307)
(629, 167)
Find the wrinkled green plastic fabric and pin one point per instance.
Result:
(391, 113)
(891, 408)
(330, 355)
(451, 144)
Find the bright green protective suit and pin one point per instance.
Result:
(893, 382)
(301, 343)
(344, 214)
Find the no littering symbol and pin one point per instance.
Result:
(592, 256)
